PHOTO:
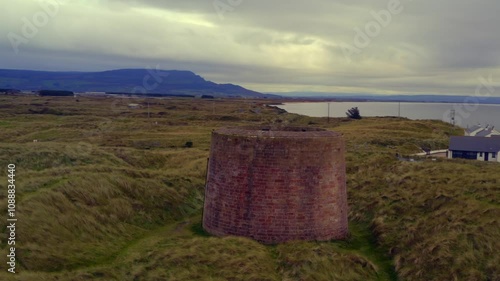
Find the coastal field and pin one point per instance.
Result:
(108, 192)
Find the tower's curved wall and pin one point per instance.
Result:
(276, 185)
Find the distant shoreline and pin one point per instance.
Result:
(461, 114)
(309, 100)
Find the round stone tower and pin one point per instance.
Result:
(276, 184)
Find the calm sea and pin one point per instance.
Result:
(465, 114)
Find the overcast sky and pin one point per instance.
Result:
(348, 46)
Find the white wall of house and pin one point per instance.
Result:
(481, 156)
(496, 158)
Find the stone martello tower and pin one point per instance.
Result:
(276, 184)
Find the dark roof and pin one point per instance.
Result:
(477, 144)
(483, 133)
(473, 128)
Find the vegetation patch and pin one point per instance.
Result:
(108, 193)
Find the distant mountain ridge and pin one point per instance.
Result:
(136, 81)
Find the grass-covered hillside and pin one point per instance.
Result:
(112, 193)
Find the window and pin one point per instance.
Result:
(480, 154)
(464, 154)
(494, 155)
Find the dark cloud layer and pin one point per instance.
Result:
(426, 47)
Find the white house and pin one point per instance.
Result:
(476, 148)
(480, 131)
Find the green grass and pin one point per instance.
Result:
(357, 258)
(109, 194)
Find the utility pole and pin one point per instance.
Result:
(399, 109)
(328, 120)
(452, 117)
(148, 110)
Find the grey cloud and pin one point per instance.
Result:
(431, 46)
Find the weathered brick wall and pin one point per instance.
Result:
(276, 185)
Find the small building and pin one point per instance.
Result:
(475, 148)
(480, 131)
(134, 106)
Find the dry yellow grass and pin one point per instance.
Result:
(109, 194)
